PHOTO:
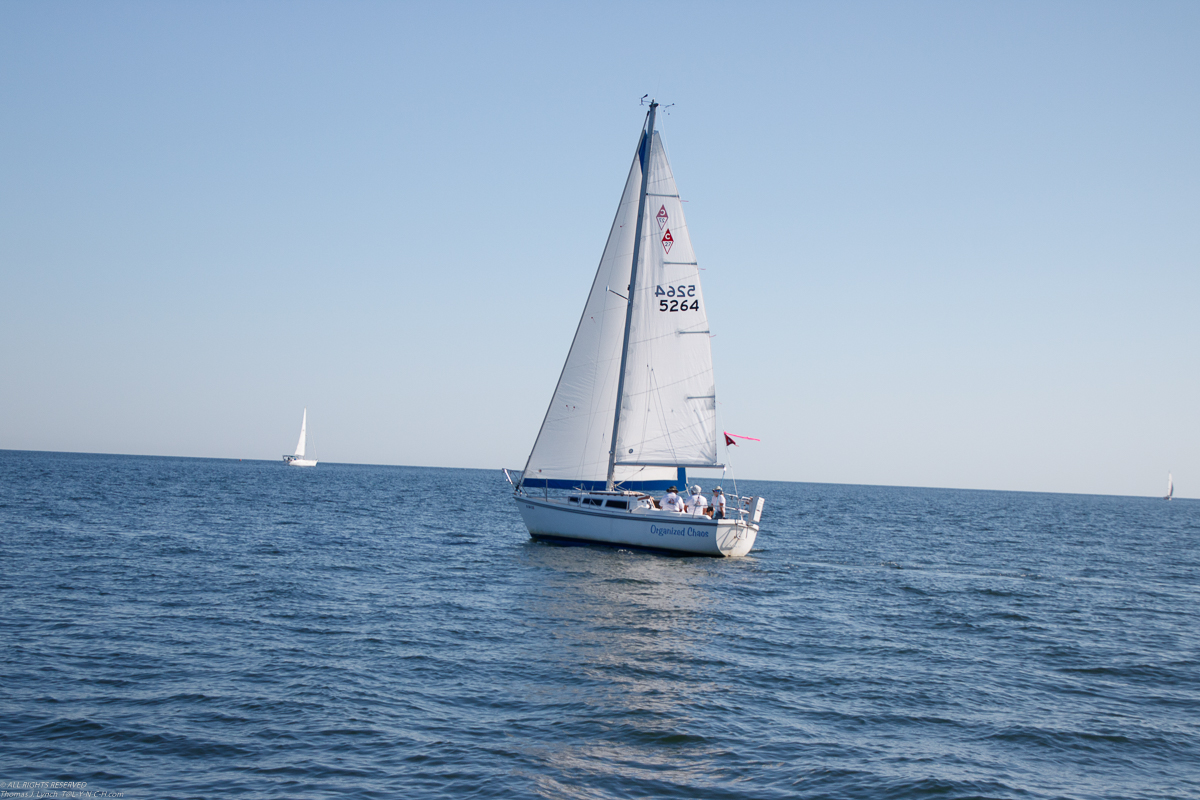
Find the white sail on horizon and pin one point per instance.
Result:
(303, 435)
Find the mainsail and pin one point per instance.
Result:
(669, 408)
(668, 404)
(303, 435)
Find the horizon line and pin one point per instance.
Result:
(498, 469)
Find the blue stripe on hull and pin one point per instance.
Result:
(598, 486)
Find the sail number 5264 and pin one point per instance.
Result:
(681, 295)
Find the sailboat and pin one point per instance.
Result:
(1170, 487)
(297, 459)
(635, 405)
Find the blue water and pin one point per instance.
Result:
(178, 628)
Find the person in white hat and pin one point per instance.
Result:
(696, 502)
(718, 503)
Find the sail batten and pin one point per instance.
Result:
(697, 465)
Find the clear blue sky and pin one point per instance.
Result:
(945, 244)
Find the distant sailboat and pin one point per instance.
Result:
(1170, 487)
(297, 459)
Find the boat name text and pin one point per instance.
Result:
(659, 530)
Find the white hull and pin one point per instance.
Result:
(649, 529)
(293, 461)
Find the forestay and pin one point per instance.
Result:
(668, 410)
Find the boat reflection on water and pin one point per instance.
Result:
(625, 633)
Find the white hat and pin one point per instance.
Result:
(696, 489)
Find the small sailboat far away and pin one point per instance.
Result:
(297, 459)
(1170, 487)
(638, 375)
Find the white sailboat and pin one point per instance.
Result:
(1170, 487)
(297, 459)
(639, 374)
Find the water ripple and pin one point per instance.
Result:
(199, 628)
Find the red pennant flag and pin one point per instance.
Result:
(729, 438)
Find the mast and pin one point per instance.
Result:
(647, 146)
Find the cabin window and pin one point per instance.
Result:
(618, 504)
(572, 499)
(592, 501)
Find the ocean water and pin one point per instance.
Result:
(191, 628)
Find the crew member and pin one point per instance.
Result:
(718, 504)
(672, 501)
(696, 502)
